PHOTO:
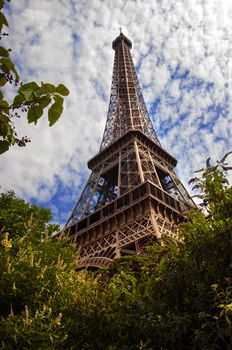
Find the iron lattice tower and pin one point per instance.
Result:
(133, 195)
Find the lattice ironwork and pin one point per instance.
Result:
(127, 109)
(133, 195)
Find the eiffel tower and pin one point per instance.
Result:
(133, 195)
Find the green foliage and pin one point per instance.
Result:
(177, 297)
(16, 213)
(37, 277)
(30, 98)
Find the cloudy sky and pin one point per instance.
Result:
(182, 50)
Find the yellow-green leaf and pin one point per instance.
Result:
(4, 106)
(58, 98)
(6, 62)
(34, 113)
(4, 146)
(54, 112)
(47, 88)
(27, 90)
(62, 90)
(18, 100)
(44, 101)
(4, 52)
(3, 20)
(3, 80)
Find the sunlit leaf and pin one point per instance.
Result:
(18, 100)
(58, 98)
(34, 113)
(5, 127)
(38, 93)
(4, 146)
(44, 101)
(28, 89)
(4, 52)
(3, 80)
(61, 89)
(54, 112)
(6, 62)
(29, 86)
(48, 88)
(4, 106)
(3, 20)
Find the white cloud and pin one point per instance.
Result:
(183, 52)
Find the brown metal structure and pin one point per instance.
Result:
(133, 195)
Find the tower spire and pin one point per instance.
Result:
(133, 195)
(127, 109)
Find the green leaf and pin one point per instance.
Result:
(38, 93)
(7, 63)
(62, 90)
(27, 90)
(4, 68)
(54, 112)
(18, 100)
(34, 113)
(48, 88)
(6, 130)
(1, 4)
(58, 98)
(4, 146)
(3, 20)
(3, 80)
(31, 86)
(4, 106)
(44, 101)
(4, 52)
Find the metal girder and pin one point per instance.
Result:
(127, 109)
(130, 166)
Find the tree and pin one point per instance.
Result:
(37, 277)
(31, 98)
(44, 302)
(15, 213)
(179, 296)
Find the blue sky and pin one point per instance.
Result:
(182, 52)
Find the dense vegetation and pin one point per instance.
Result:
(179, 297)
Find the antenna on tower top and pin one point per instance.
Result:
(120, 30)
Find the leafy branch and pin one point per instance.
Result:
(31, 98)
(211, 183)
